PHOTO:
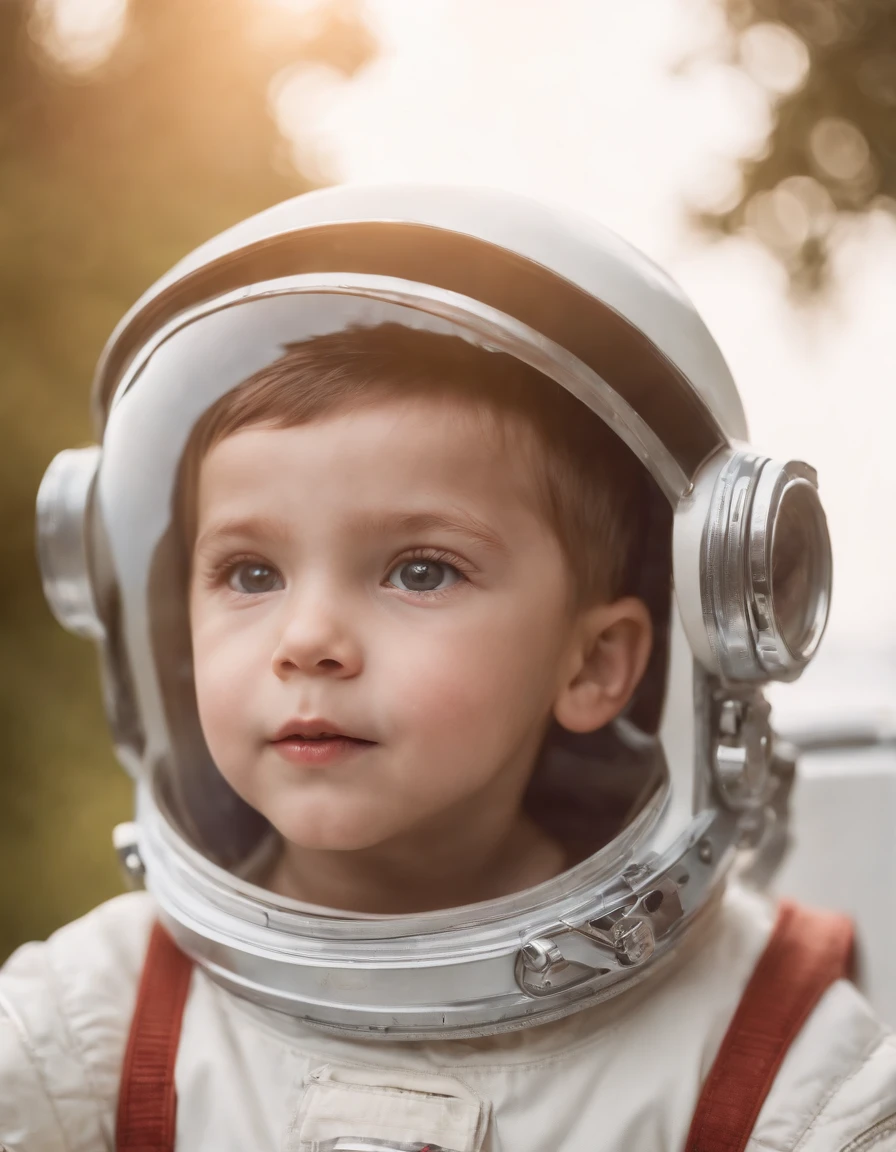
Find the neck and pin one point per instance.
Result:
(458, 859)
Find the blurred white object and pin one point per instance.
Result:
(843, 805)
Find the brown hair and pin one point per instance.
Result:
(592, 487)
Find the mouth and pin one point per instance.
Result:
(313, 743)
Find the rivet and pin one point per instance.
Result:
(541, 955)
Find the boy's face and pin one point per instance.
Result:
(381, 621)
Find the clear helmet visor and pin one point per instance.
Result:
(586, 789)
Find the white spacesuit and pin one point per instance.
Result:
(618, 1005)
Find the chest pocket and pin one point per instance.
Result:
(386, 1110)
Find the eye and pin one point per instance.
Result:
(253, 578)
(423, 576)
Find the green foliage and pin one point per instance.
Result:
(105, 180)
(831, 152)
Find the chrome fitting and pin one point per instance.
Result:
(62, 507)
(125, 840)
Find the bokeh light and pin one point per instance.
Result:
(774, 56)
(78, 34)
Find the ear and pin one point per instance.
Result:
(609, 653)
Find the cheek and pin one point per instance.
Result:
(478, 676)
(220, 675)
(219, 711)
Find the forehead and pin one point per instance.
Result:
(407, 450)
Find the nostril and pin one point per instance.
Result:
(329, 665)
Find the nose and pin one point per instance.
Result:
(316, 639)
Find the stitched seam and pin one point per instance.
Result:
(885, 1127)
(389, 1092)
(409, 1129)
(392, 1068)
(25, 1040)
(867, 1054)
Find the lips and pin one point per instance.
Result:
(314, 729)
(315, 743)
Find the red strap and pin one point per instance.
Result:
(147, 1101)
(808, 951)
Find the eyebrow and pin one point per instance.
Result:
(456, 520)
(245, 527)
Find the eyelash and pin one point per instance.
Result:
(221, 571)
(437, 556)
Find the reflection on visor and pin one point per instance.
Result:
(799, 559)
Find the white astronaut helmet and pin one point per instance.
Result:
(584, 309)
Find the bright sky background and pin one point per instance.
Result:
(576, 101)
(582, 102)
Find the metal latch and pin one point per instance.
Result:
(743, 752)
(624, 938)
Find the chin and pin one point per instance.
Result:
(321, 836)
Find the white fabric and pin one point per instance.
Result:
(625, 1075)
(394, 1105)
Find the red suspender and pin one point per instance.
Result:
(807, 952)
(147, 1102)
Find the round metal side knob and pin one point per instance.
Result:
(62, 503)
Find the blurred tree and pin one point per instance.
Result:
(830, 67)
(112, 166)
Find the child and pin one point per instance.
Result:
(383, 592)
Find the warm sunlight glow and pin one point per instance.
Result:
(592, 104)
(78, 34)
